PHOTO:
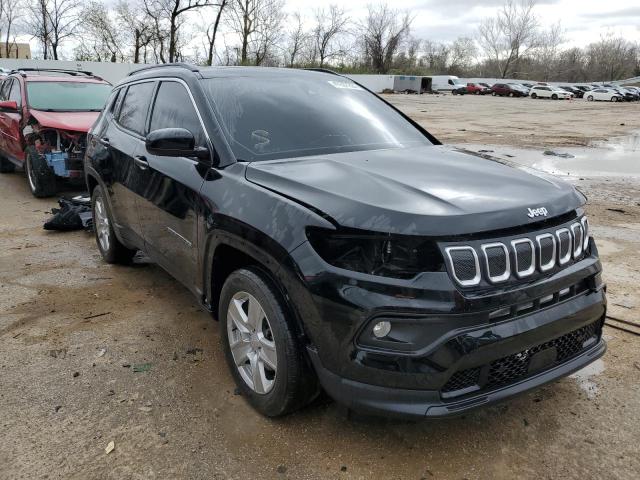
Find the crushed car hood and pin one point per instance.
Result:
(431, 190)
(73, 121)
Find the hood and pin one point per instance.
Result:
(73, 121)
(431, 190)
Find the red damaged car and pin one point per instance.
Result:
(44, 119)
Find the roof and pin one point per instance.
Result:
(55, 78)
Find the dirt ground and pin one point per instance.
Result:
(92, 353)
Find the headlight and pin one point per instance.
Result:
(395, 256)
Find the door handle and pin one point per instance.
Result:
(104, 141)
(141, 162)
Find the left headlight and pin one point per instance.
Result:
(394, 256)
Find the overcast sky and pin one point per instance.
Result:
(442, 20)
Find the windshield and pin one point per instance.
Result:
(67, 96)
(275, 117)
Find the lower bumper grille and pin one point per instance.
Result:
(512, 368)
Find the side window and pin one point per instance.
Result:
(14, 94)
(133, 113)
(4, 90)
(166, 115)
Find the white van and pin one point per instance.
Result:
(445, 83)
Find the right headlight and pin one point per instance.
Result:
(394, 256)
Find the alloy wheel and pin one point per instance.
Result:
(101, 223)
(251, 342)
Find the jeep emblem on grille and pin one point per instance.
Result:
(537, 212)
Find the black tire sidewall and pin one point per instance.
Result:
(290, 364)
(43, 178)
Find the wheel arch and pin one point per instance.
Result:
(227, 252)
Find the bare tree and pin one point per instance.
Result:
(12, 11)
(510, 36)
(611, 58)
(548, 50)
(297, 40)
(383, 32)
(52, 22)
(330, 26)
(139, 27)
(99, 29)
(258, 23)
(212, 31)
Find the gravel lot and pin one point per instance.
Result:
(92, 353)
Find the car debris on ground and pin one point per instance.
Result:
(73, 214)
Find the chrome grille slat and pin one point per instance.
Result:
(538, 252)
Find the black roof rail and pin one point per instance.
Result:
(324, 70)
(55, 70)
(189, 67)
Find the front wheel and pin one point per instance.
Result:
(554, 97)
(42, 180)
(590, 98)
(110, 247)
(261, 346)
(511, 94)
(493, 93)
(534, 95)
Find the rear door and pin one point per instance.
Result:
(170, 202)
(124, 141)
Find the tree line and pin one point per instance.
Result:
(512, 43)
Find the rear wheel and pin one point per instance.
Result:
(261, 347)
(614, 99)
(477, 92)
(110, 247)
(6, 166)
(511, 94)
(42, 180)
(554, 97)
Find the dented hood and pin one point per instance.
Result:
(432, 190)
(73, 121)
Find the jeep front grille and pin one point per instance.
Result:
(521, 257)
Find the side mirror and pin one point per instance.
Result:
(174, 142)
(8, 106)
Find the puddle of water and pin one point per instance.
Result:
(584, 378)
(617, 157)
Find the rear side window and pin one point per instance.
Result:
(14, 94)
(173, 108)
(133, 114)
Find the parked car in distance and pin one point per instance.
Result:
(44, 119)
(554, 93)
(459, 89)
(521, 87)
(478, 88)
(603, 94)
(506, 90)
(577, 93)
(340, 245)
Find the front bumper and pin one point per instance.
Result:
(403, 403)
(458, 336)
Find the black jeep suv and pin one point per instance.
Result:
(342, 246)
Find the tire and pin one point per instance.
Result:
(41, 179)
(281, 386)
(453, 92)
(6, 166)
(110, 247)
(590, 98)
(493, 94)
(511, 94)
(477, 92)
(534, 95)
(614, 99)
(554, 97)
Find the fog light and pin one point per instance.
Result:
(381, 329)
